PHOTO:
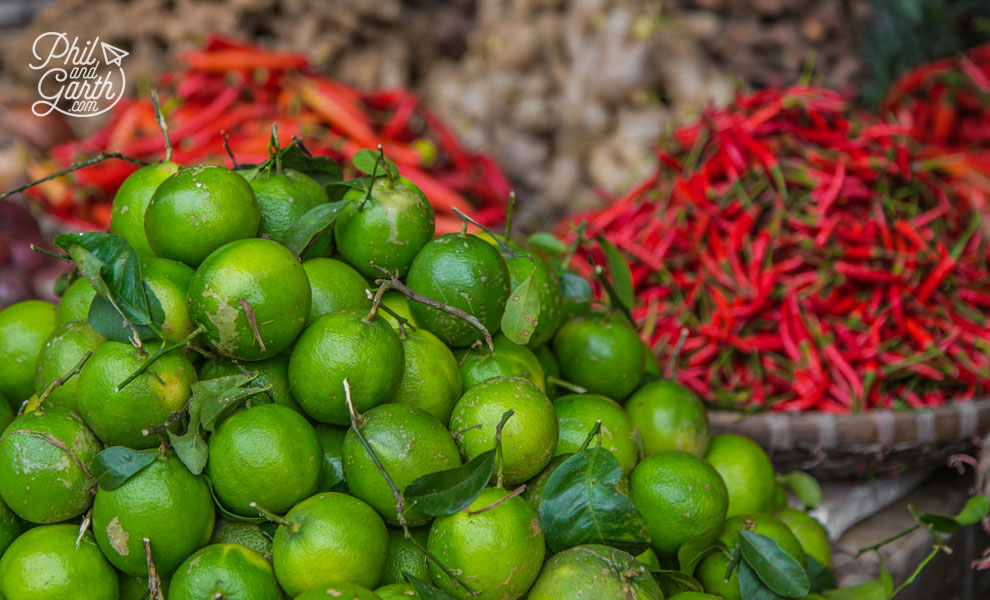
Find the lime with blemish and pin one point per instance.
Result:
(224, 571)
(169, 281)
(595, 572)
(46, 563)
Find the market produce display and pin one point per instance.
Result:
(817, 257)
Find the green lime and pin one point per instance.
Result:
(267, 454)
(224, 571)
(594, 572)
(547, 286)
(399, 304)
(343, 345)
(336, 286)
(24, 327)
(431, 380)
(330, 538)
(169, 281)
(809, 533)
(397, 591)
(46, 466)
(136, 588)
(331, 439)
(63, 350)
(747, 472)
(409, 443)
(131, 203)
(711, 570)
(272, 371)
(249, 535)
(404, 556)
(649, 558)
(680, 496)
(465, 272)
(339, 590)
(576, 293)
(197, 210)
(576, 416)
(600, 352)
(164, 503)
(669, 416)
(283, 198)
(253, 298)
(534, 487)
(495, 546)
(119, 418)
(387, 229)
(75, 301)
(46, 564)
(506, 360)
(10, 527)
(550, 369)
(529, 437)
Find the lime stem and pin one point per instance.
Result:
(230, 153)
(154, 583)
(498, 445)
(47, 252)
(508, 214)
(595, 430)
(566, 385)
(84, 526)
(162, 351)
(292, 526)
(574, 246)
(671, 371)
(162, 125)
(102, 156)
(613, 297)
(253, 323)
(512, 494)
(61, 380)
(464, 218)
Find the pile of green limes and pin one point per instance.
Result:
(211, 410)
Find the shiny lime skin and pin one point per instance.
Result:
(465, 272)
(669, 416)
(67, 345)
(119, 417)
(595, 572)
(197, 210)
(41, 481)
(267, 454)
(228, 571)
(576, 294)
(331, 439)
(163, 502)
(335, 286)
(339, 590)
(272, 372)
(404, 555)
(600, 352)
(24, 327)
(409, 443)
(506, 360)
(45, 564)
(529, 437)
(333, 538)
(131, 203)
(283, 198)
(399, 304)
(261, 274)
(576, 416)
(342, 345)
(432, 379)
(548, 289)
(498, 552)
(387, 229)
(169, 281)
(75, 301)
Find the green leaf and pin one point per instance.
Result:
(685, 582)
(232, 516)
(191, 450)
(547, 243)
(425, 591)
(751, 587)
(619, 274)
(694, 550)
(820, 577)
(314, 222)
(365, 161)
(446, 492)
(581, 505)
(108, 322)
(522, 312)
(776, 568)
(804, 486)
(323, 169)
(117, 464)
(216, 398)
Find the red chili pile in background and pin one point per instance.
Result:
(820, 258)
(242, 90)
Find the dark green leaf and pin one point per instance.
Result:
(323, 169)
(316, 220)
(804, 486)
(191, 450)
(522, 312)
(106, 321)
(424, 590)
(694, 550)
(232, 516)
(216, 407)
(581, 505)
(117, 464)
(62, 283)
(619, 274)
(685, 582)
(776, 568)
(446, 492)
(751, 587)
(547, 243)
(870, 590)
(820, 577)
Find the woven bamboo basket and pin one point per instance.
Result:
(878, 442)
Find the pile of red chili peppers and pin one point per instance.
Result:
(820, 258)
(241, 90)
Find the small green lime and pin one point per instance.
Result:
(46, 563)
(747, 471)
(431, 380)
(331, 439)
(63, 350)
(24, 327)
(283, 198)
(224, 571)
(576, 416)
(387, 229)
(404, 556)
(342, 345)
(595, 572)
(253, 298)
(464, 272)
(600, 352)
(169, 281)
(810, 533)
(249, 535)
(336, 286)
(198, 209)
(75, 301)
(339, 590)
(131, 203)
(409, 443)
(272, 372)
(669, 416)
(506, 360)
